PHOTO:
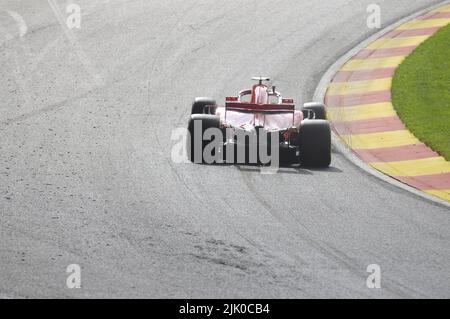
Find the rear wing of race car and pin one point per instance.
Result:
(259, 108)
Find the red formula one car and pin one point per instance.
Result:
(257, 125)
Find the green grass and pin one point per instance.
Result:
(421, 92)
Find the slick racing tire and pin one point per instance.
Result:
(198, 107)
(314, 141)
(319, 110)
(195, 142)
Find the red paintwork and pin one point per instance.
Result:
(358, 99)
(373, 125)
(397, 153)
(260, 107)
(385, 53)
(427, 182)
(260, 112)
(363, 75)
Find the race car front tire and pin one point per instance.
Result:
(207, 121)
(198, 107)
(314, 141)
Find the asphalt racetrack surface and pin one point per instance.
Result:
(87, 177)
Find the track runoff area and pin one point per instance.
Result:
(359, 102)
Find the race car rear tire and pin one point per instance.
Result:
(207, 121)
(314, 141)
(319, 110)
(199, 104)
